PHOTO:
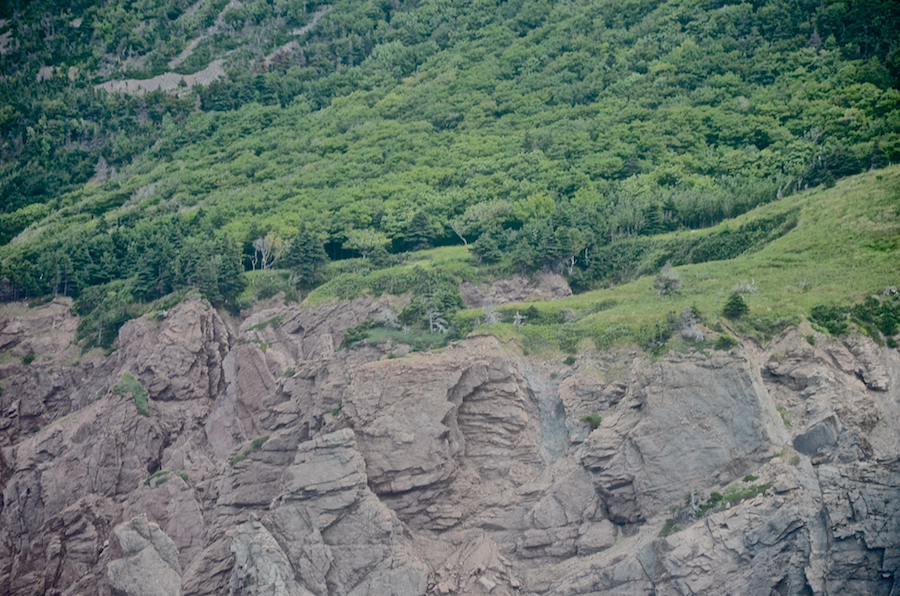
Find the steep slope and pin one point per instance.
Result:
(565, 126)
(271, 464)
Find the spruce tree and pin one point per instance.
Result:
(419, 232)
(488, 249)
(305, 256)
(735, 308)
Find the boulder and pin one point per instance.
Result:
(149, 566)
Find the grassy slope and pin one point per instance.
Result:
(845, 246)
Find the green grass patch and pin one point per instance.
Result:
(669, 528)
(725, 342)
(161, 477)
(624, 260)
(741, 491)
(878, 316)
(131, 386)
(255, 445)
(158, 478)
(265, 284)
(274, 322)
(423, 277)
(592, 419)
(830, 255)
(785, 416)
(418, 340)
(696, 507)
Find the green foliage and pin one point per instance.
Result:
(735, 307)
(103, 310)
(833, 318)
(357, 333)
(598, 155)
(592, 419)
(159, 477)
(627, 259)
(669, 528)
(653, 336)
(876, 316)
(407, 123)
(696, 507)
(262, 285)
(725, 342)
(737, 492)
(258, 442)
(766, 326)
(305, 257)
(419, 232)
(821, 252)
(433, 291)
(28, 359)
(667, 281)
(255, 445)
(418, 339)
(133, 387)
(365, 241)
(274, 322)
(785, 417)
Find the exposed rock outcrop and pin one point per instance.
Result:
(181, 358)
(275, 462)
(685, 422)
(150, 563)
(545, 286)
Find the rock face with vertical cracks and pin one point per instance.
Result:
(149, 566)
(276, 462)
(325, 532)
(179, 358)
(686, 421)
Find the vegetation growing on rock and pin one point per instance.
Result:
(138, 392)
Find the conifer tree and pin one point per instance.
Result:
(305, 256)
(735, 308)
(419, 232)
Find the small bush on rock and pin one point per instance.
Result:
(725, 342)
(592, 419)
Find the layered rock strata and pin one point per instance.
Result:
(275, 462)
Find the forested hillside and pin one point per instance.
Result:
(541, 134)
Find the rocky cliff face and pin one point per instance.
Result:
(272, 464)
